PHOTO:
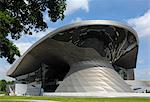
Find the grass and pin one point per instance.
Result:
(66, 99)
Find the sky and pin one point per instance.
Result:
(135, 13)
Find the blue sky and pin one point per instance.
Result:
(135, 13)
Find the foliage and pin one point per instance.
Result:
(5, 93)
(10, 82)
(3, 84)
(19, 17)
(147, 91)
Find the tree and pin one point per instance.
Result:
(3, 84)
(10, 82)
(19, 17)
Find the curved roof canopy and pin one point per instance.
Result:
(114, 41)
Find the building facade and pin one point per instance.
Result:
(88, 56)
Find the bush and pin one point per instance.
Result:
(5, 93)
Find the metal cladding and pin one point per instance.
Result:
(82, 78)
(82, 57)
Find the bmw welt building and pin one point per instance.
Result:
(88, 56)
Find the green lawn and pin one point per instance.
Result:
(64, 99)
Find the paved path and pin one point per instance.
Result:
(97, 94)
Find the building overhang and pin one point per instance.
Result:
(53, 47)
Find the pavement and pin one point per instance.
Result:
(98, 94)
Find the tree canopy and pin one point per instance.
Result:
(19, 17)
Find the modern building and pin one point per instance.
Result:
(88, 56)
(139, 86)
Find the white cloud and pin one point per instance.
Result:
(78, 19)
(23, 46)
(46, 18)
(142, 74)
(3, 70)
(140, 61)
(41, 34)
(74, 5)
(27, 40)
(141, 24)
